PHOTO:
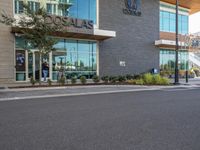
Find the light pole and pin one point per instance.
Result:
(176, 82)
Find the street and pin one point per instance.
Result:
(167, 119)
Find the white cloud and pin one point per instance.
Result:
(194, 23)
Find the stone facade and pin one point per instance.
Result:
(7, 70)
(135, 38)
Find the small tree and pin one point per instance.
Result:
(35, 31)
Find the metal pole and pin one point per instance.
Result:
(177, 46)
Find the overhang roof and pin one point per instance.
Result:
(193, 5)
(98, 35)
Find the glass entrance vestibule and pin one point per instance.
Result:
(72, 58)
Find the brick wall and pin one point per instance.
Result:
(135, 39)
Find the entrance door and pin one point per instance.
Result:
(34, 65)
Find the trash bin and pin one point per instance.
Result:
(154, 71)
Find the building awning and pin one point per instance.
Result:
(169, 44)
(193, 5)
(98, 35)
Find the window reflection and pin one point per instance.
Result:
(168, 22)
(82, 9)
(167, 60)
(75, 58)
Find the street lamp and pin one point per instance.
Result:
(176, 82)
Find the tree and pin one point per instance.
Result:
(34, 29)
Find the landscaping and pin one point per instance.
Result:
(142, 79)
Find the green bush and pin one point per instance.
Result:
(105, 79)
(157, 79)
(148, 78)
(113, 79)
(121, 78)
(62, 81)
(49, 82)
(83, 80)
(73, 80)
(165, 81)
(139, 82)
(96, 79)
(129, 77)
(137, 76)
(32, 81)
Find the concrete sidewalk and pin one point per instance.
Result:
(27, 93)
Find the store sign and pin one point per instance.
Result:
(133, 7)
(69, 22)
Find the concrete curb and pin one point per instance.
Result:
(76, 94)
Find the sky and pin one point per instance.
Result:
(194, 25)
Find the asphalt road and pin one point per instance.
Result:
(150, 120)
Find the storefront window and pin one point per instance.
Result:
(167, 60)
(75, 58)
(72, 58)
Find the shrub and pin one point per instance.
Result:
(83, 80)
(113, 79)
(136, 81)
(148, 78)
(62, 81)
(121, 78)
(129, 77)
(165, 81)
(137, 76)
(105, 79)
(73, 80)
(32, 81)
(157, 79)
(96, 79)
(49, 82)
(139, 82)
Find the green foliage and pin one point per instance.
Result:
(148, 78)
(164, 81)
(129, 77)
(73, 80)
(113, 79)
(137, 76)
(121, 78)
(61, 81)
(157, 79)
(139, 82)
(34, 29)
(33, 81)
(96, 79)
(136, 81)
(49, 82)
(83, 80)
(105, 79)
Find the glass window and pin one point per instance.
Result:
(167, 60)
(168, 22)
(77, 58)
(34, 6)
(18, 6)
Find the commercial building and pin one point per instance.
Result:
(118, 37)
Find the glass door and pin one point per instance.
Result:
(34, 66)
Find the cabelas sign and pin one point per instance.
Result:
(70, 23)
